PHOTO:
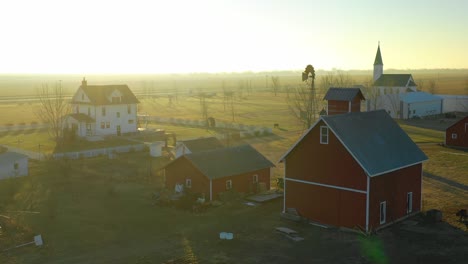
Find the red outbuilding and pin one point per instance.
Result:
(343, 100)
(354, 170)
(241, 168)
(457, 134)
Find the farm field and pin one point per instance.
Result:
(101, 211)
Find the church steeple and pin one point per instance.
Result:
(378, 64)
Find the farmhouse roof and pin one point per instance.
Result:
(9, 157)
(374, 140)
(378, 57)
(343, 94)
(231, 161)
(415, 97)
(99, 94)
(80, 117)
(395, 80)
(203, 144)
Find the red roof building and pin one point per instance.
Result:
(354, 170)
(343, 100)
(457, 134)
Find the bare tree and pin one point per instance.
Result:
(275, 80)
(372, 95)
(302, 100)
(53, 108)
(203, 106)
(432, 86)
(421, 85)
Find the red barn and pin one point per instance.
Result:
(457, 134)
(343, 100)
(355, 169)
(241, 168)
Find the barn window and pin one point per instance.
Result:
(107, 124)
(454, 135)
(323, 135)
(103, 111)
(228, 184)
(118, 114)
(255, 178)
(89, 111)
(130, 121)
(129, 109)
(409, 202)
(383, 212)
(16, 166)
(103, 125)
(188, 183)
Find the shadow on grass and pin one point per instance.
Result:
(446, 181)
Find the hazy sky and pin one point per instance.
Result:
(98, 36)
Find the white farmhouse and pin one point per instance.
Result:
(100, 110)
(13, 164)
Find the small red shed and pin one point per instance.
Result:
(343, 100)
(241, 168)
(457, 134)
(354, 169)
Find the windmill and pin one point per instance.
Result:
(308, 76)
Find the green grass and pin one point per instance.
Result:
(423, 135)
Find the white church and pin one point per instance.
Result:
(398, 94)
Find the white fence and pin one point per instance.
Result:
(99, 152)
(245, 130)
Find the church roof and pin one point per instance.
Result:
(395, 80)
(343, 94)
(378, 57)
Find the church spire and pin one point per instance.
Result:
(378, 64)
(378, 57)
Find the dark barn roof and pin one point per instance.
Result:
(395, 80)
(375, 141)
(231, 161)
(203, 144)
(343, 94)
(98, 94)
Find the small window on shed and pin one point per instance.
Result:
(454, 135)
(255, 178)
(323, 135)
(383, 212)
(188, 183)
(228, 184)
(16, 166)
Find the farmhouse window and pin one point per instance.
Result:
(107, 124)
(103, 111)
(323, 135)
(116, 99)
(130, 121)
(228, 184)
(414, 112)
(409, 202)
(82, 97)
(16, 166)
(103, 125)
(255, 178)
(454, 135)
(89, 111)
(118, 114)
(129, 109)
(188, 183)
(383, 212)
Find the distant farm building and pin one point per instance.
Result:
(355, 169)
(240, 168)
(13, 164)
(457, 134)
(419, 104)
(100, 110)
(343, 100)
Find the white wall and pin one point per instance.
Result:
(8, 170)
(454, 103)
(421, 109)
